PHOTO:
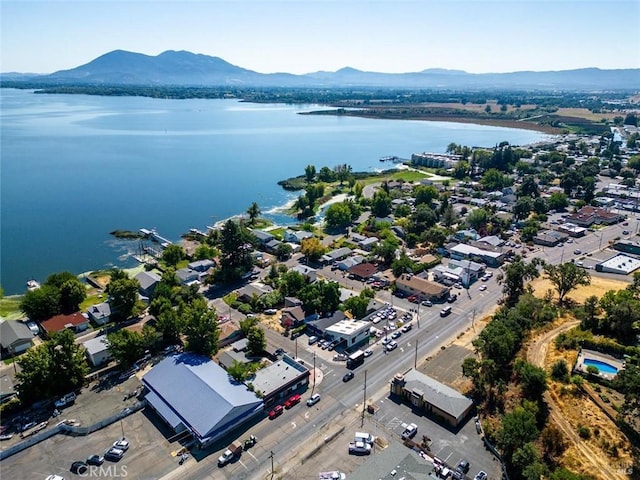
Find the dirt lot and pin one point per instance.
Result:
(598, 287)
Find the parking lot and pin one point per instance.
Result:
(149, 456)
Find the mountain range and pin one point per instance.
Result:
(182, 68)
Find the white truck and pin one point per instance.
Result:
(334, 475)
(410, 431)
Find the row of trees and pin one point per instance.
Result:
(61, 293)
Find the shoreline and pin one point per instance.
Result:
(490, 122)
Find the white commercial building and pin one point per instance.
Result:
(620, 264)
(352, 332)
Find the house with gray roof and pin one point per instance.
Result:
(97, 350)
(263, 237)
(186, 276)
(148, 282)
(15, 337)
(99, 313)
(202, 265)
(432, 397)
(296, 236)
(192, 393)
(337, 254)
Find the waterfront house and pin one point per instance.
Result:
(15, 337)
(186, 276)
(262, 237)
(99, 313)
(148, 282)
(202, 265)
(296, 236)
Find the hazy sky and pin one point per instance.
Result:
(302, 36)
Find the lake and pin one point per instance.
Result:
(76, 167)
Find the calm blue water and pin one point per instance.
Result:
(602, 366)
(76, 167)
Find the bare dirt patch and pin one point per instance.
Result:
(598, 287)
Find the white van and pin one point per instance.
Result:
(445, 311)
(313, 340)
(364, 437)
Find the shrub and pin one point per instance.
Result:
(584, 432)
(560, 371)
(592, 370)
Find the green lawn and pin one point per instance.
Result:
(10, 307)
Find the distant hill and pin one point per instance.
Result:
(189, 69)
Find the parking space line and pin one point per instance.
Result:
(241, 463)
(253, 456)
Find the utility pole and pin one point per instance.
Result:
(272, 472)
(415, 362)
(364, 400)
(296, 348)
(314, 372)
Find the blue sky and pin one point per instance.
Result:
(302, 36)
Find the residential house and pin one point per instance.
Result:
(100, 313)
(368, 243)
(148, 282)
(186, 276)
(202, 265)
(75, 321)
(336, 255)
(263, 237)
(251, 290)
(349, 262)
(97, 350)
(549, 238)
(292, 317)
(311, 274)
(296, 236)
(15, 337)
(363, 271)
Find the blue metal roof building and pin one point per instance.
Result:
(191, 392)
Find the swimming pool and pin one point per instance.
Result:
(601, 366)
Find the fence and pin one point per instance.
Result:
(70, 430)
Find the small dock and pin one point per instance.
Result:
(391, 158)
(153, 235)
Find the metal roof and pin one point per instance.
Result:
(200, 393)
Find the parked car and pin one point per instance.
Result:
(79, 468)
(95, 460)
(65, 401)
(577, 252)
(481, 475)
(427, 303)
(293, 400)
(313, 340)
(463, 466)
(122, 444)
(313, 399)
(407, 327)
(396, 334)
(348, 376)
(54, 477)
(276, 412)
(452, 298)
(114, 454)
(392, 345)
(368, 352)
(625, 232)
(483, 288)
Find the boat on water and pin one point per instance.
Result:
(32, 285)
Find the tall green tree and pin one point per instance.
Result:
(72, 294)
(169, 325)
(125, 346)
(515, 276)
(41, 303)
(310, 173)
(173, 254)
(53, 368)
(256, 340)
(123, 298)
(566, 277)
(201, 328)
(254, 212)
(518, 428)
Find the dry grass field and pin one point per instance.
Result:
(598, 287)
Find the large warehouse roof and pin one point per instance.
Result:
(197, 392)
